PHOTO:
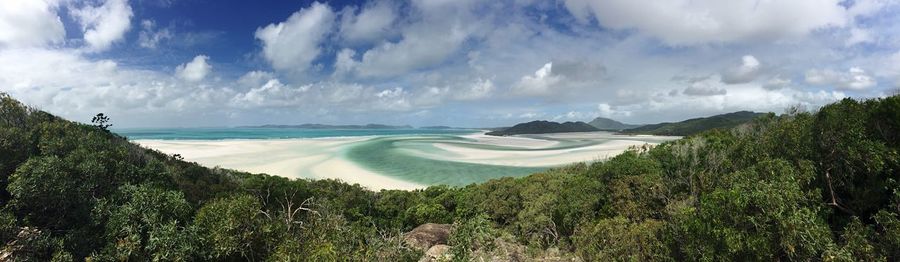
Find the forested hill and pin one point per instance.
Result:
(696, 125)
(801, 186)
(607, 124)
(544, 127)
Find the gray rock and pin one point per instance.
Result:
(427, 235)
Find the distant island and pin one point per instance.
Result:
(696, 125)
(544, 127)
(683, 128)
(321, 126)
(607, 124)
(438, 127)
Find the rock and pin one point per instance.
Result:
(427, 235)
(437, 253)
(19, 244)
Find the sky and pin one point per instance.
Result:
(467, 63)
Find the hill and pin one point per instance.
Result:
(544, 127)
(607, 124)
(696, 125)
(804, 187)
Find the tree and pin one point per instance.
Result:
(49, 194)
(618, 239)
(148, 222)
(100, 121)
(232, 228)
(762, 213)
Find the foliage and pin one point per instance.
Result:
(696, 125)
(544, 127)
(799, 186)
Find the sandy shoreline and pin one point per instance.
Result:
(317, 158)
(323, 158)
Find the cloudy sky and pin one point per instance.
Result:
(171, 63)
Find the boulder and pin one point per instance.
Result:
(427, 235)
(437, 253)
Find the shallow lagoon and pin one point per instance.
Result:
(385, 159)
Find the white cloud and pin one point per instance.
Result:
(271, 94)
(441, 30)
(854, 79)
(480, 89)
(541, 83)
(293, 44)
(195, 70)
(344, 63)
(531, 115)
(254, 79)
(704, 89)
(149, 37)
(776, 83)
(105, 24)
(29, 23)
(76, 88)
(575, 116)
(608, 111)
(746, 72)
(858, 36)
(686, 22)
(372, 23)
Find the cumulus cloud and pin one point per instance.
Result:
(195, 70)
(746, 72)
(254, 79)
(561, 79)
(858, 36)
(438, 60)
(704, 90)
(697, 22)
(371, 23)
(776, 83)
(56, 80)
(480, 89)
(854, 79)
(344, 63)
(271, 94)
(30, 23)
(441, 30)
(540, 83)
(105, 24)
(609, 111)
(292, 45)
(150, 37)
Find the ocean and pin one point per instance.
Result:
(421, 156)
(222, 133)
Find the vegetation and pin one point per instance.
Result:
(801, 186)
(696, 125)
(607, 124)
(544, 127)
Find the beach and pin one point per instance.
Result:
(388, 162)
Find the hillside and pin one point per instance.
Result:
(544, 127)
(607, 124)
(696, 125)
(802, 187)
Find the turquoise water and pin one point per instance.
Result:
(221, 133)
(395, 157)
(391, 152)
(405, 154)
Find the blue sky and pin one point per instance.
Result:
(168, 63)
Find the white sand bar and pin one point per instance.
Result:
(323, 158)
(293, 158)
